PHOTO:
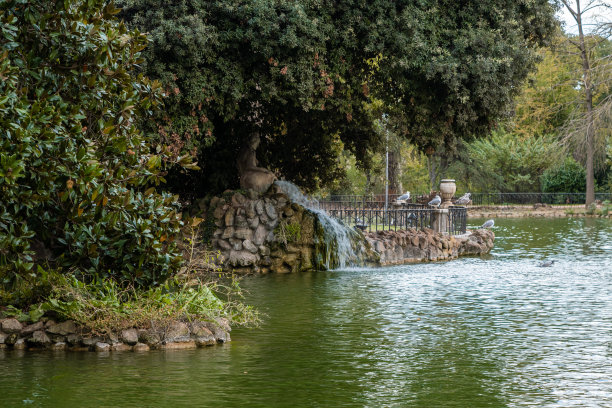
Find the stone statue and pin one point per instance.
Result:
(251, 176)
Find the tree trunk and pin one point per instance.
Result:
(395, 173)
(431, 169)
(589, 138)
(437, 164)
(368, 183)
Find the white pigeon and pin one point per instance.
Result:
(403, 198)
(488, 224)
(435, 202)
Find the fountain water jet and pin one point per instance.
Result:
(337, 246)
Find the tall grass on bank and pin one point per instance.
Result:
(200, 291)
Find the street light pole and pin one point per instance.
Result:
(386, 164)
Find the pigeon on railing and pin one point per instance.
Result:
(435, 202)
(464, 199)
(403, 199)
(488, 224)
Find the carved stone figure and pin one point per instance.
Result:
(252, 177)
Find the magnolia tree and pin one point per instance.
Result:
(74, 169)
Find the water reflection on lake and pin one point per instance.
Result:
(477, 332)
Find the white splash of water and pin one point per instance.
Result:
(296, 196)
(339, 239)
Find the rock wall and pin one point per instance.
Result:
(261, 233)
(409, 246)
(48, 334)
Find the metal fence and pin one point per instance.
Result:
(376, 202)
(533, 198)
(457, 216)
(368, 219)
(336, 202)
(373, 202)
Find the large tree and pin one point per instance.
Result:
(595, 74)
(302, 74)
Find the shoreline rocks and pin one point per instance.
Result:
(411, 245)
(68, 336)
(263, 233)
(260, 233)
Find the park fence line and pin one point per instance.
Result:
(374, 219)
(378, 201)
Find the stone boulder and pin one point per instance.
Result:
(129, 336)
(40, 339)
(32, 328)
(177, 332)
(63, 328)
(11, 325)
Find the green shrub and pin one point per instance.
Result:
(591, 209)
(74, 169)
(606, 207)
(569, 177)
(503, 162)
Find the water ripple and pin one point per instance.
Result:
(496, 331)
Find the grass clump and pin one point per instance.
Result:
(288, 232)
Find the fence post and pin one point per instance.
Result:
(440, 220)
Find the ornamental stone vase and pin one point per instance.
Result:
(447, 191)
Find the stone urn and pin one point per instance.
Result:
(447, 191)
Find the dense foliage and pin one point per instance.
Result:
(506, 163)
(304, 75)
(569, 176)
(73, 166)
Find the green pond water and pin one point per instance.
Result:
(477, 332)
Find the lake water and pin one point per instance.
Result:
(495, 331)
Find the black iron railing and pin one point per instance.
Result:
(534, 198)
(378, 201)
(368, 219)
(364, 203)
(381, 220)
(457, 220)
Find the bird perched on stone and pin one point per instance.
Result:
(488, 224)
(435, 202)
(464, 199)
(546, 264)
(403, 198)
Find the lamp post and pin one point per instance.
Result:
(385, 117)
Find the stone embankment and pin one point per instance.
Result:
(258, 233)
(410, 246)
(263, 233)
(48, 334)
(533, 211)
